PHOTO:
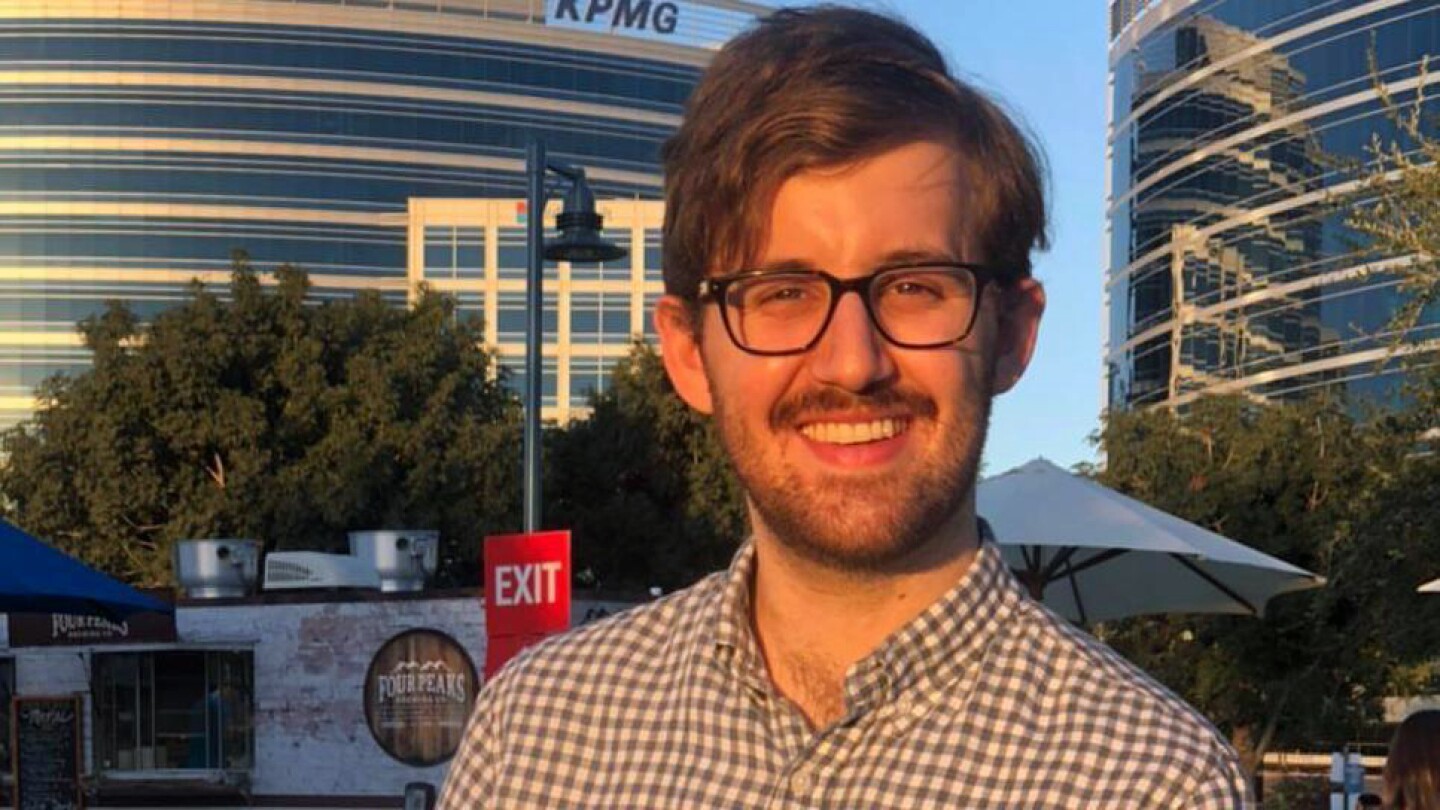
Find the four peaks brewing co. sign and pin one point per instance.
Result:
(418, 694)
(61, 629)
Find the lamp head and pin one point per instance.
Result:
(580, 224)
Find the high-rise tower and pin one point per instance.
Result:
(1234, 125)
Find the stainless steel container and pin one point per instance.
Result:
(215, 569)
(404, 558)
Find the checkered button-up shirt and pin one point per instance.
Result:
(986, 700)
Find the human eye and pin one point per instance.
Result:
(914, 287)
(779, 291)
(925, 285)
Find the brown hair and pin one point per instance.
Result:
(825, 86)
(1412, 770)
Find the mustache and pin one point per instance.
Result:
(829, 400)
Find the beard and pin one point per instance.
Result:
(862, 523)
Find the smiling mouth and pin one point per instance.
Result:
(854, 432)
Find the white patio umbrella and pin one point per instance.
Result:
(1433, 586)
(1092, 554)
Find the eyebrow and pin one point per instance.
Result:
(783, 265)
(895, 258)
(918, 256)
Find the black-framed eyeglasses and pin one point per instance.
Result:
(779, 312)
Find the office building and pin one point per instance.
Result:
(475, 250)
(1235, 129)
(141, 141)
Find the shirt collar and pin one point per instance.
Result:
(733, 639)
(946, 641)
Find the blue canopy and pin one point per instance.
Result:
(36, 578)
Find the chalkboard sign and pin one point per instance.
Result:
(45, 736)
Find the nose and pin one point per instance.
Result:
(851, 354)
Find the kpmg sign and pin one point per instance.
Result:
(657, 18)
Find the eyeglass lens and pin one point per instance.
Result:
(787, 311)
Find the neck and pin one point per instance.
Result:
(813, 617)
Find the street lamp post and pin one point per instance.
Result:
(579, 242)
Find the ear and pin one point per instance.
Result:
(1020, 309)
(680, 350)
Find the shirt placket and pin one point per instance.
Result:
(816, 757)
(802, 782)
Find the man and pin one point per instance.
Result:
(848, 232)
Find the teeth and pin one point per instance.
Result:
(853, 432)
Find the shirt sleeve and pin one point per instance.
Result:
(470, 784)
(1223, 785)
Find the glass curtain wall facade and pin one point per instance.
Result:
(1234, 125)
(475, 251)
(142, 142)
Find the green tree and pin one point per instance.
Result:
(643, 484)
(1396, 208)
(1348, 495)
(1309, 483)
(260, 414)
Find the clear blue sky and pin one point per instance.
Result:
(1046, 60)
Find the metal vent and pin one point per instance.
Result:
(282, 571)
(402, 558)
(216, 568)
(312, 569)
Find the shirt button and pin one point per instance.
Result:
(801, 782)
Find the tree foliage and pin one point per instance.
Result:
(261, 415)
(1346, 494)
(644, 485)
(1396, 207)
(1350, 499)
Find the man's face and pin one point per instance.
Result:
(858, 453)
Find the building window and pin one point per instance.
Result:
(550, 316)
(550, 382)
(615, 318)
(511, 254)
(510, 317)
(585, 271)
(618, 270)
(648, 317)
(600, 317)
(549, 379)
(513, 258)
(7, 691)
(174, 710)
(511, 323)
(470, 305)
(588, 376)
(654, 261)
(512, 376)
(439, 250)
(470, 253)
(454, 253)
